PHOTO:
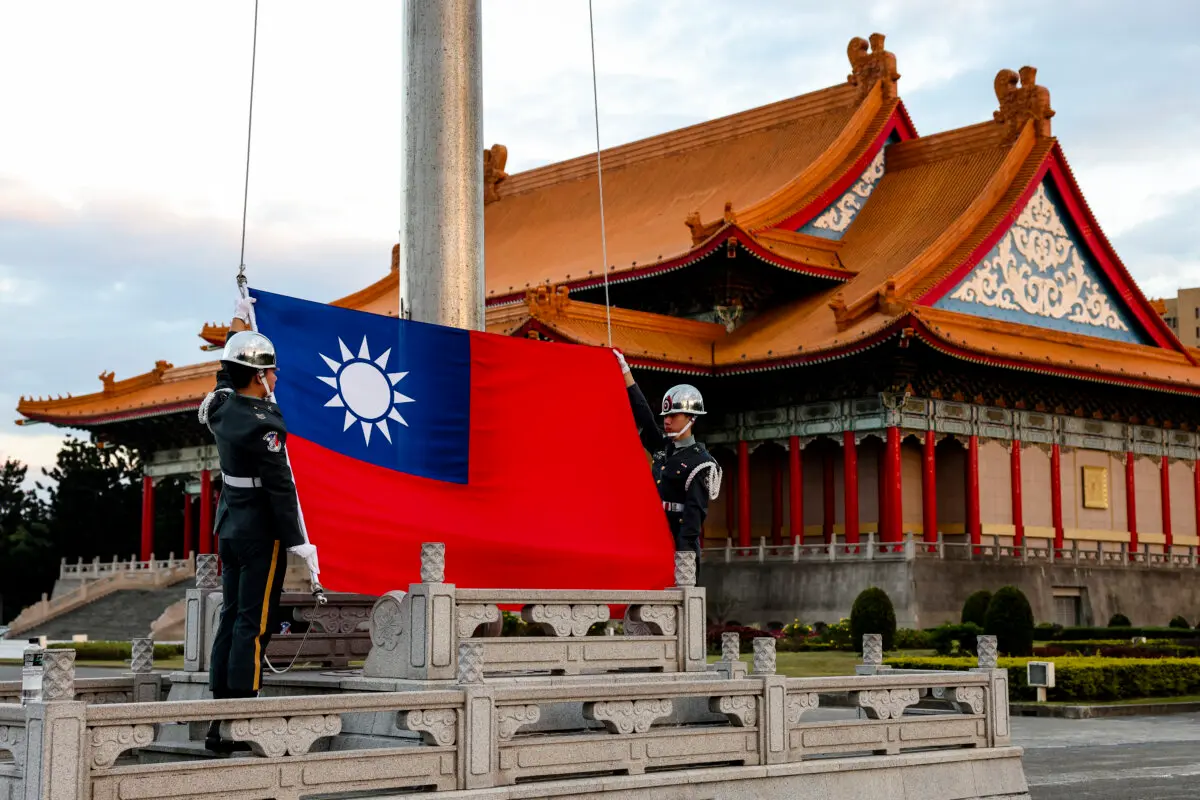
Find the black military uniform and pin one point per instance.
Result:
(258, 519)
(684, 471)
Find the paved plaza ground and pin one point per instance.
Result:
(1126, 758)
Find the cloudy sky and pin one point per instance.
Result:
(124, 125)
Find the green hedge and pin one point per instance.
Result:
(115, 651)
(1087, 679)
(1089, 634)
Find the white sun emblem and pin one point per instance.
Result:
(364, 389)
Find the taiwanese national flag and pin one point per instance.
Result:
(521, 456)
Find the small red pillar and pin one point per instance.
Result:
(796, 492)
(206, 513)
(829, 513)
(1018, 507)
(1131, 504)
(743, 494)
(147, 517)
(893, 494)
(776, 499)
(187, 524)
(973, 525)
(850, 481)
(929, 488)
(1056, 513)
(1196, 492)
(1164, 472)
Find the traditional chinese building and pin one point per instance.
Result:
(896, 334)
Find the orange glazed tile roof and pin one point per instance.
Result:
(164, 390)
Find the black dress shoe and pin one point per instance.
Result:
(215, 744)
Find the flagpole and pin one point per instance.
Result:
(441, 271)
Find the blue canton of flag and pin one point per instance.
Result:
(390, 392)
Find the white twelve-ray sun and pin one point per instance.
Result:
(365, 389)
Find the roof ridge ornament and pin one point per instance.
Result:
(548, 299)
(871, 66)
(1021, 100)
(494, 159)
(701, 231)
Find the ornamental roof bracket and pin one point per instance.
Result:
(701, 231)
(871, 66)
(547, 300)
(1022, 100)
(494, 159)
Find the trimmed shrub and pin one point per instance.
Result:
(975, 609)
(1087, 679)
(872, 613)
(114, 651)
(1180, 622)
(1119, 621)
(1089, 634)
(954, 640)
(909, 639)
(1010, 620)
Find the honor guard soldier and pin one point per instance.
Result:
(258, 517)
(686, 474)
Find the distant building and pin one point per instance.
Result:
(1182, 315)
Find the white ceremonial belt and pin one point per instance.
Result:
(673, 506)
(241, 483)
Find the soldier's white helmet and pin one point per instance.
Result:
(250, 349)
(682, 399)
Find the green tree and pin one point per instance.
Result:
(975, 609)
(873, 613)
(1010, 619)
(26, 560)
(1119, 620)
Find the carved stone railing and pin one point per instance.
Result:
(89, 591)
(338, 631)
(96, 569)
(416, 634)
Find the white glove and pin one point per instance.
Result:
(309, 553)
(621, 361)
(242, 309)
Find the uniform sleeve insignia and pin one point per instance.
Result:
(273, 443)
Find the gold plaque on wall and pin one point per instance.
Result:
(1095, 487)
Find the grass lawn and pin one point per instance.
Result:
(820, 664)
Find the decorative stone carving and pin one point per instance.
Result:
(869, 67)
(742, 710)
(275, 737)
(627, 716)
(584, 616)
(334, 619)
(104, 698)
(1019, 104)
(986, 648)
(494, 159)
(433, 562)
(886, 703)
(660, 619)
(142, 656)
(565, 620)
(437, 727)
(471, 615)
(685, 569)
(470, 662)
(872, 649)
(731, 647)
(107, 744)
(969, 699)
(58, 675)
(510, 719)
(12, 739)
(206, 572)
(634, 627)
(764, 655)
(799, 703)
(387, 621)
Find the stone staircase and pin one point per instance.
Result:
(119, 616)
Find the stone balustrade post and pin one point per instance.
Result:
(872, 663)
(413, 634)
(479, 748)
(147, 686)
(692, 646)
(985, 646)
(764, 655)
(202, 610)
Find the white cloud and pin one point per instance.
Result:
(33, 449)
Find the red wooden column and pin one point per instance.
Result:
(187, 524)
(1018, 508)
(1056, 496)
(776, 499)
(1164, 472)
(893, 494)
(796, 492)
(743, 467)
(1131, 505)
(1196, 492)
(147, 517)
(973, 526)
(850, 482)
(929, 488)
(206, 513)
(829, 497)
